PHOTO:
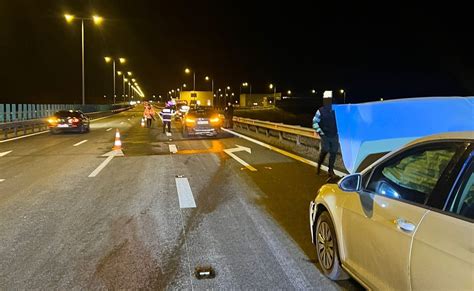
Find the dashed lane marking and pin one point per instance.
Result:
(79, 143)
(1, 180)
(168, 133)
(185, 194)
(109, 129)
(173, 148)
(5, 153)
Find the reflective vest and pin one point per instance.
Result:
(166, 114)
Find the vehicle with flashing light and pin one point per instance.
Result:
(69, 121)
(202, 121)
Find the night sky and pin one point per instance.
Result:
(373, 51)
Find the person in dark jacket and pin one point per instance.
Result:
(324, 122)
(166, 114)
(229, 115)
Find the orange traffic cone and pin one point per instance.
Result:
(118, 142)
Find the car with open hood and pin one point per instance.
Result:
(404, 220)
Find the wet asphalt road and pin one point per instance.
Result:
(124, 228)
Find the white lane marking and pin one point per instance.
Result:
(185, 195)
(109, 129)
(173, 148)
(23, 136)
(1, 180)
(168, 133)
(283, 152)
(121, 122)
(239, 148)
(100, 167)
(110, 156)
(5, 153)
(79, 143)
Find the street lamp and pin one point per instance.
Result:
(97, 20)
(225, 93)
(247, 84)
(188, 71)
(271, 86)
(313, 91)
(343, 94)
(289, 92)
(212, 83)
(108, 60)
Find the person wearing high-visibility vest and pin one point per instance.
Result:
(149, 115)
(166, 114)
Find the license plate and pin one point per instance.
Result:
(203, 122)
(63, 125)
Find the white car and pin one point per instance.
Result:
(404, 222)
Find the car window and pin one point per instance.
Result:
(463, 203)
(412, 175)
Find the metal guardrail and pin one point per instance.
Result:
(281, 128)
(13, 129)
(19, 112)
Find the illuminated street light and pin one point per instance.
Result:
(271, 86)
(188, 71)
(129, 73)
(343, 94)
(184, 85)
(289, 92)
(69, 17)
(207, 78)
(119, 73)
(246, 84)
(97, 20)
(313, 91)
(108, 60)
(133, 80)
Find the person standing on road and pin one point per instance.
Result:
(229, 115)
(324, 122)
(149, 115)
(166, 114)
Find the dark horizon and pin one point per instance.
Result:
(394, 52)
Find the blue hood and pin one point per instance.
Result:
(377, 127)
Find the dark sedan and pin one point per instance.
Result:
(202, 121)
(69, 121)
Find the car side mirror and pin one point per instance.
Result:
(351, 183)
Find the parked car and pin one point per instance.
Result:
(202, 121)
(69, 121)
(404, 222)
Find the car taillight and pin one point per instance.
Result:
(190, 120)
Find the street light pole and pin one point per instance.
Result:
(113, 74)
(83, 73)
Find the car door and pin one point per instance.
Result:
(443, 248)
(379, 222)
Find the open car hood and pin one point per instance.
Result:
(377, 127)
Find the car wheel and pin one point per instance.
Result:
(326, 248)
